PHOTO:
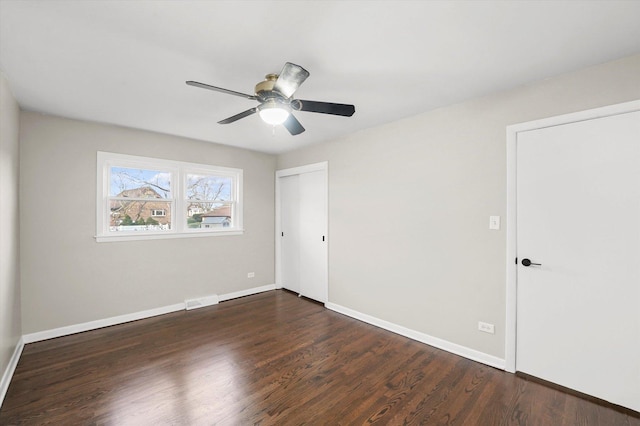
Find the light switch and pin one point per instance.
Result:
(494, 222)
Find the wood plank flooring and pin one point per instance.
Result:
(272, 358)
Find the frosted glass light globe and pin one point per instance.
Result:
(274, 116)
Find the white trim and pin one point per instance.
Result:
(11, 368)
(445, 345)
(106, 322)
(315, 167)
(278, 235)
(511, 277)
(121, 319)
(511, 226)
(146, 236)
(248, 292)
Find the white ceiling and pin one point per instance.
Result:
(126, 62)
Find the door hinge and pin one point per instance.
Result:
(516, 260)
(283, 236)
(323, 238)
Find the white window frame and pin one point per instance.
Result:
(179, 203)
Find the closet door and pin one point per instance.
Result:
(290, 232)
(313, 244)
(302, 257)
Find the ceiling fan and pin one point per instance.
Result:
(276, 101)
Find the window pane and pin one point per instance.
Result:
(208, 187)
(149, 215)
(142, 197)
(139, 183)
(209, 216)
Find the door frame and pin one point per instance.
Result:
(315, 167)
(511, 227)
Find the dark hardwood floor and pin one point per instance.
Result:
(272, 358)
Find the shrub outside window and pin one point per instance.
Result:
(147, 198)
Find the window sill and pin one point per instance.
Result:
(165, 236)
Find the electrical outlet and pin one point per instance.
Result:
(486, 327)
(251, 274)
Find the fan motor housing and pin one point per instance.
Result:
(265, 88)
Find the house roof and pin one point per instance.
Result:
(224, 211)
(141, 192)
(214, 220)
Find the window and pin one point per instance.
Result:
(143, 198)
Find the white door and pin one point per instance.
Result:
(302, 256)
(578, 215)
(290, 232)
(313, 251)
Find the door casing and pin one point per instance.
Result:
(511, 270)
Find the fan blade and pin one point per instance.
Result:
(345, 110)
(293, 125)
(220, 89)
(237, 117)
(291, 77)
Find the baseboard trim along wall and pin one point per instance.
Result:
(94, 325)
(445, 345)
(121, 319)
(11, 368)
(248, 292)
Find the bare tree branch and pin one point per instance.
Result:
(124, 176)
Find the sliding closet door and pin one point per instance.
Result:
(303, 260)
(290, 232)
(313, 251)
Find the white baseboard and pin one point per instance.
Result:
(121, 319)
(248, 292)
(106, 322)
(445, 345)
(11, 368)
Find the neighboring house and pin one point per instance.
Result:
(194, 209)
(150, 210)
(217, 218)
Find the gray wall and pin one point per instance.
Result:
(409, 205)
(10, 320)
(68, 278)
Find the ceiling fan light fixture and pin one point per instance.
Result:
(273, 113)
(276, 102)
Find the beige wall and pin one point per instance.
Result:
(10, 322)
(68, 278)
(409, 205)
